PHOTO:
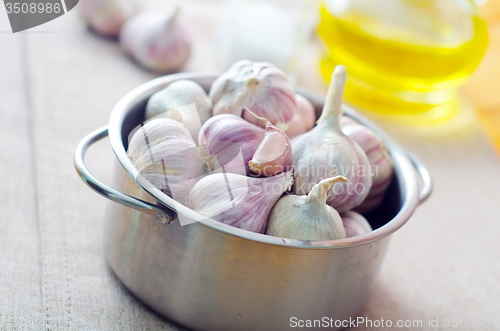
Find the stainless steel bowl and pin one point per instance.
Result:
(211, 276)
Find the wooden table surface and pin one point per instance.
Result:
(59, 82)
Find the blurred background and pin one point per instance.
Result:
(426, 71)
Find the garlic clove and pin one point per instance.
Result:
(355, 224)
(381, 164)
(259, 86)
(307, 217)
(156, 41)
(222, 138)
(274, 153)
(164, 153)
(325, 152)
(107, 17)
(241, 201)
(305, 109)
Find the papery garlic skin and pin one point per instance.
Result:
(382, 165)
(246, 205)
(260, 86)
(165, 154)
(307, 217)
(224, 136)
(157, 41)
(274, 154)
(171, 101)
(355, 224)
(107, 17)
(325, 152)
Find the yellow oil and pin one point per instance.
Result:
(396, 73)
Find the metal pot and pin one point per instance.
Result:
(211, 276)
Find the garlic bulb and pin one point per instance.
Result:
(261, 87)
(306, 111)
(295, 126)
(164, 153)
(174, 101)
(156, 40)
(224, 136)
(326, 152)
(307, 217)
(240, 201)
(355, 224)
(303, 118)
(274, 153)
(107, 17)
(381, 164)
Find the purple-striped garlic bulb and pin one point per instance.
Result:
(325, 152)
(381, 164)
(303, 119)
(107, 17)
(355, 224)
(229, 141)
(156, 40)
(166, 155)
(261, 87)
(307, 217)
(237, 200)
(274, 154)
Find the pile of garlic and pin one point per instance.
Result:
(154, 39)
(248, 155)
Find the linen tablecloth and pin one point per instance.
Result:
(59, 82)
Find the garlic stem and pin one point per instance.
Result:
(175, 13)
(333, 103)
(319, 191)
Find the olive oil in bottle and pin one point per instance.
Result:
(406, 58)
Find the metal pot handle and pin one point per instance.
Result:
(164, 215)
(425, 176)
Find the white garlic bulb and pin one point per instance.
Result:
(325, 152)
(381, 164)
(237, 200)
(174, 102)
(261, 87)
(107, 17)
(307, 217)
(164, 153)
(156, 40)
(355, 224)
